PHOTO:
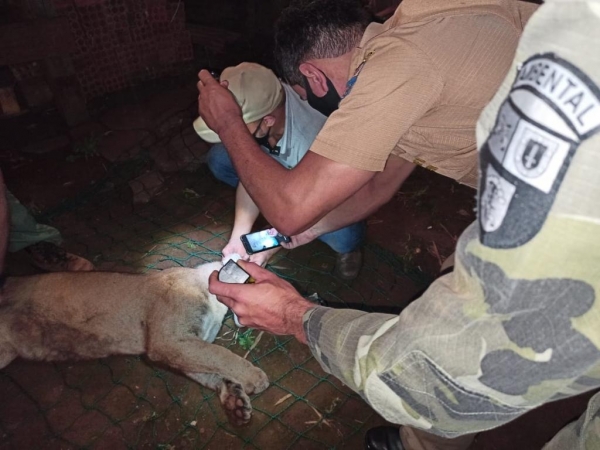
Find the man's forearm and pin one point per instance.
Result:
(476, 350)
(377, 192)
(267, 182)
(291, 200)
(260, 174)
(246, 212)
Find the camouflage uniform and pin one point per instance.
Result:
(517, 324)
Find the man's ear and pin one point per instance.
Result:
(269, 121)
(300, 91)
(316, 78)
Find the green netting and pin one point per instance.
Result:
(126, 402)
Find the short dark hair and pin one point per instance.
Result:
(316, 29)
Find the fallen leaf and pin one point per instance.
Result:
(282, 399)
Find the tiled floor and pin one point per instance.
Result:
(125, 402)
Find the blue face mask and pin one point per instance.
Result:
(326, 104)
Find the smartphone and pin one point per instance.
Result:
(263, 240)
(232, 273)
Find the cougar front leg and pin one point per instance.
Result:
(195, 356)
(235, 401)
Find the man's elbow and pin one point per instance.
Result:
(292, 214)
(292, 224)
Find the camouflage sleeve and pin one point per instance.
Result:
(580, 434)
(517, 323)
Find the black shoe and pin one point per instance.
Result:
(383, 438)
(347, 265)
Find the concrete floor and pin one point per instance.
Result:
(126, 402)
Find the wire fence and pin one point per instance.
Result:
(128, 402)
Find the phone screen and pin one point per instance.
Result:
(262, 240)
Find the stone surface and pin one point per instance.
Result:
(86, 130)
(47, 145)
(185, 151)
(152, 112)
(120, 145)
(146, 186)
(36, 92)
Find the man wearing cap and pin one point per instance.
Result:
(284, 126)
(404, 93)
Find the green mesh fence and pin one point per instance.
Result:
(127, 402)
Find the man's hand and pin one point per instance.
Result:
(216, 104)
(301, 239)
(235, 246)
(262, 258)
(269, 304)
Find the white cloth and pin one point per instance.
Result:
(302, 124)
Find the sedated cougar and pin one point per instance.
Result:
(168, 315)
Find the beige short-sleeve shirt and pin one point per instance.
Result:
(422, 79)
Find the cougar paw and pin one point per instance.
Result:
(257, 382)
(235, 402)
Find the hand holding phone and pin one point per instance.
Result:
(232, 273)
(263, 240)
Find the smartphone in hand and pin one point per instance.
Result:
(232, 273)
(263, 240)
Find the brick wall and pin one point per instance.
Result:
(121, 42)
(32, 40)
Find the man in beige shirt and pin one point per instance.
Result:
(411, 88)
(419, 83)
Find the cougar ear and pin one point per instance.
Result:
(204, 270)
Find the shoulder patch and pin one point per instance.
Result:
(552, 107)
